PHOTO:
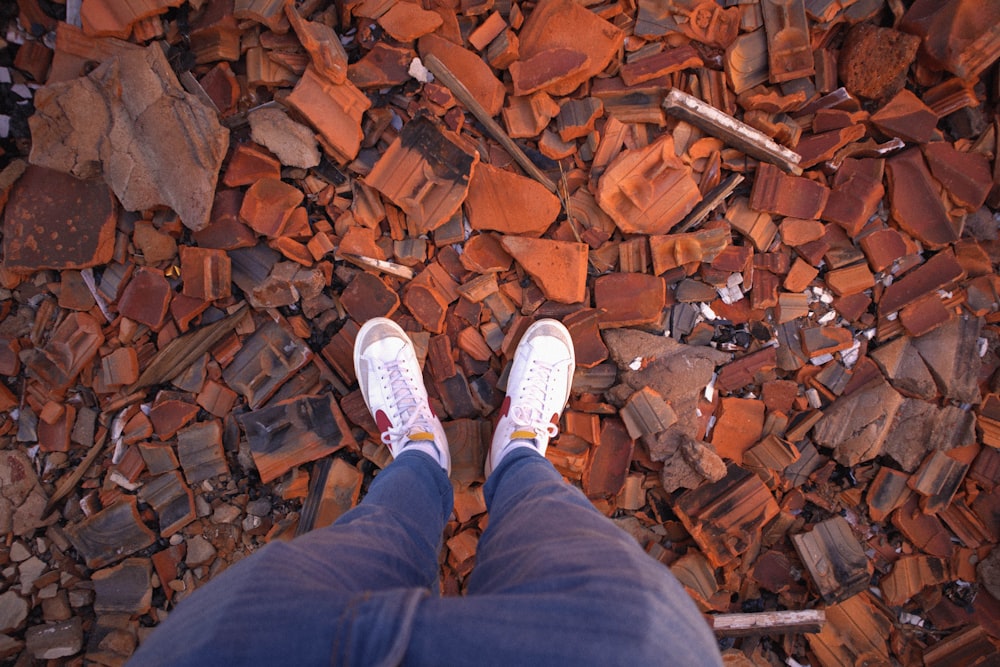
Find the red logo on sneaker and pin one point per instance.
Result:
(382, 421)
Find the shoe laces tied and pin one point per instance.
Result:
(528, 414)
(415, 414)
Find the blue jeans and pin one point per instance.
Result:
(555, 582)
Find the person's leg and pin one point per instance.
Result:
(556, 582)
(344, 594)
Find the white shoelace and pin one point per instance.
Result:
(529, 414)
(413, 412)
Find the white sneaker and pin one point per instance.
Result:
(393, 386)
(537, 390)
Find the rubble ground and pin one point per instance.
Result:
(771, 227)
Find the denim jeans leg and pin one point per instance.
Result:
(344, 594)
(556, 582)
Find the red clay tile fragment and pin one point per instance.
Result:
(783, 194)
(966, 176)
(915, 204)
(546, 70)
(326, 53)
(648, 190)
(502, 201)
(609, 461)
(146, 298)
(406, 21)
(110, 18)
(268, 205)
(559, 268)
(483, 253)
(789, 51)
(72, 345)
(738, 428)
(660, 64)
(882, 248)
(55, 221)
(367, 296)
(250, 163)
(334, 110)
(906, 117)
(936, 273)
(426, 172)
(383, 66)
(207, 273)
(564, 24)
(171, 415)
(960, 36)
(629, 299)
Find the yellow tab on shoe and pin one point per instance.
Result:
(420, 435)
(522, 435)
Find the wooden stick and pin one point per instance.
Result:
(768, 623)
(438, 69)
(736, 133)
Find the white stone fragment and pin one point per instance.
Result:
(419, 72)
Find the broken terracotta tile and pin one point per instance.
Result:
(310, 428)
(629, 299)
(660, 64)
(936, 273)
(559, 268)
(326, 53)
(334, 110)
(965, 176)
(649, 190)
(783, 194)
(725, 517)
(789, 50)
(675, 250)
(834, 558)
(850, 279)
(609, 461)
(406, 22)
(267, 359)
(381, 67)
(906, 117)
(367, 296)
(206, 273)
(268, 206)
(199, 448)
(172, 499)
(55, 221)
(103, 18)
(916, 206)
(146, 298)
(564, 25)
(502, 201)
(739, 427)
(957, 37)
(924, 315)
(937, 481)
(882, 248)
(856, 426)
(426, 172)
